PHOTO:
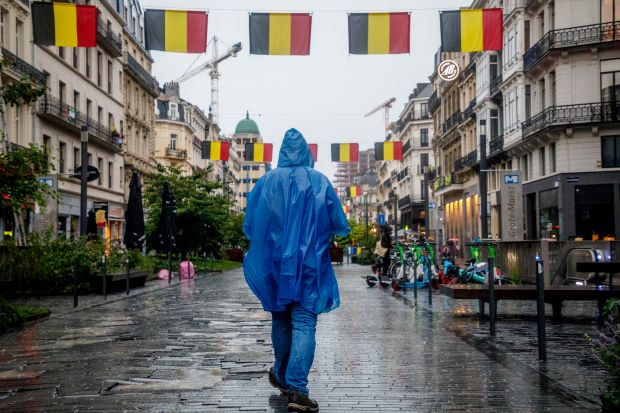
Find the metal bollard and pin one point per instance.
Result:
(540, 304)
(169, 267)
(127, 274)
(204, 255)
(104, 277)
(429, 274)
(415, 281)
(75, 283)
(491, 281)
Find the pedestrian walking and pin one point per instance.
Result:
(291, 214)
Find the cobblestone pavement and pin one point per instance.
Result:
(205, 346)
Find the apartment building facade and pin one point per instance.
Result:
(85, 89)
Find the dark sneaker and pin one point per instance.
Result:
(273, 380)
(298, 402)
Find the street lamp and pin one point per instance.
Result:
(483, 179)
(366, 205)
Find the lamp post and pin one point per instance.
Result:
(366, 205)
(84, 179)
(483, 180)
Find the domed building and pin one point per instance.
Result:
(247, 132)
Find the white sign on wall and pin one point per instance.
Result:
(511, 203)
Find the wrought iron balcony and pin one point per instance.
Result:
(445, 181)
(26, 3)
(108, 39)
(496, 145)
(176, 153)
(567, 115)
(66, 116)
(466, 161)
(589, 35)
(469, 111)
(406, 146)
(404, 202)
(452, 121)
(21, 67)
(495, 84)
(386, 183)
(403, 174)
(433, 101)
(142, 75)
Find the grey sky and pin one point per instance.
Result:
(324, 95)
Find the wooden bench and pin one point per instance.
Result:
(553, 295)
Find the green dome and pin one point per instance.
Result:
(247, 125)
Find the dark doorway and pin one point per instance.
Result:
(594, 211)
(530, 207)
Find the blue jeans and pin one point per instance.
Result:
(293, 337)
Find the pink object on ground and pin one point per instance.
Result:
(163, 274)
(187, 270)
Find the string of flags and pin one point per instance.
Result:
(181, 31)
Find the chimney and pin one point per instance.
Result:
(172, 89)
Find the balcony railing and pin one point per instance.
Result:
(495, 84)
(142, 74)
(386, 183)
(445, 181)
(67, 116)
(404, 202)
(496, 145)
(469, 111)
(585, 113)
(21, 67)
(571, 37)
(452, 121)
(26, 3)
(466, 161)
(403, 174)
(176, 153)
(433, 101)
(109, 40)
(406, 147)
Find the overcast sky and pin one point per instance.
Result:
(324, 95)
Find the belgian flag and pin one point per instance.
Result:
(354, 191)
(258, 152)
(176, 30)
(379, 33)
(389, 151)
(314, 148)
(64, 24)
(215, 150)
(345, 152)
(471, 30)
(280, 33)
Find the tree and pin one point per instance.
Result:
(234, 233)
(202, 216)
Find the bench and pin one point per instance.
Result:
(117, 281)
(553, 295)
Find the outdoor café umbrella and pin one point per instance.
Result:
(134, 215)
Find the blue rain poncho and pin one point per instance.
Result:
(290, 217)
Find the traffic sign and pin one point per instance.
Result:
(93, 173)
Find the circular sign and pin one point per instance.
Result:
(448, 70)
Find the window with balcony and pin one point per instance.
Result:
(19, 29)
(61, 91)
(99, 114)
(99, 68)
(542, 161)
(553, 156)
(172, 114)
(110, 174)
(610, 11)
(424, 110)
(88, 62)
(76, 100)
(76, 58)
(173, 141)
(120, 177)
(89, 108)
(3, 21)
(110, 121)
(76, 158)
(510, 110)
(100, 167)
(423, 137)
(110, 76)
(610, 148)
(423, 161)
(610, 80)
(511, 49)
(493, 123)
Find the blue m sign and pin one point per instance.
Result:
(511, 179)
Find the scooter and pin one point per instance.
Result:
(372, 280)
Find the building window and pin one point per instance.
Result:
(90, 158)
(610, 80)
(610, 148)
(61, 52)
(19, 27)
(99, 114)
(423, 161)
(542, 161)
(173, 141)
(76, 100)
(494, 123)
(424, 110)
(553, 155)
(89, 107)
(110, 174)
(526, 167)
(18, 110)
(512, 120)
(100, 167)
(528, 101)
(424, 137)
(76, 158)
(610, 11)
(173, 111)
(120, 177)
(110, 121)
(3, 20)
(99, 68)
(62, 154)
(76, 58)
(110, 76)
(88, 62)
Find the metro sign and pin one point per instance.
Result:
(511, 179)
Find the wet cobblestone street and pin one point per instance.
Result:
(205, 346)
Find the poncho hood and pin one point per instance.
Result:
(295, 151)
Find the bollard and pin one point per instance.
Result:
(415, 280)
(180, 261)
(429, 273)
(491, 281)
(540, 304)
(169, 267)
(75, 283)
(204, 255)
(104, 277)
(127, 274)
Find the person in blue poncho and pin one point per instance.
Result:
(290, 217)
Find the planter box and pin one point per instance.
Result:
(117, 281)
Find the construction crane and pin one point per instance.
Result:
(385, 105)
(214, 73)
